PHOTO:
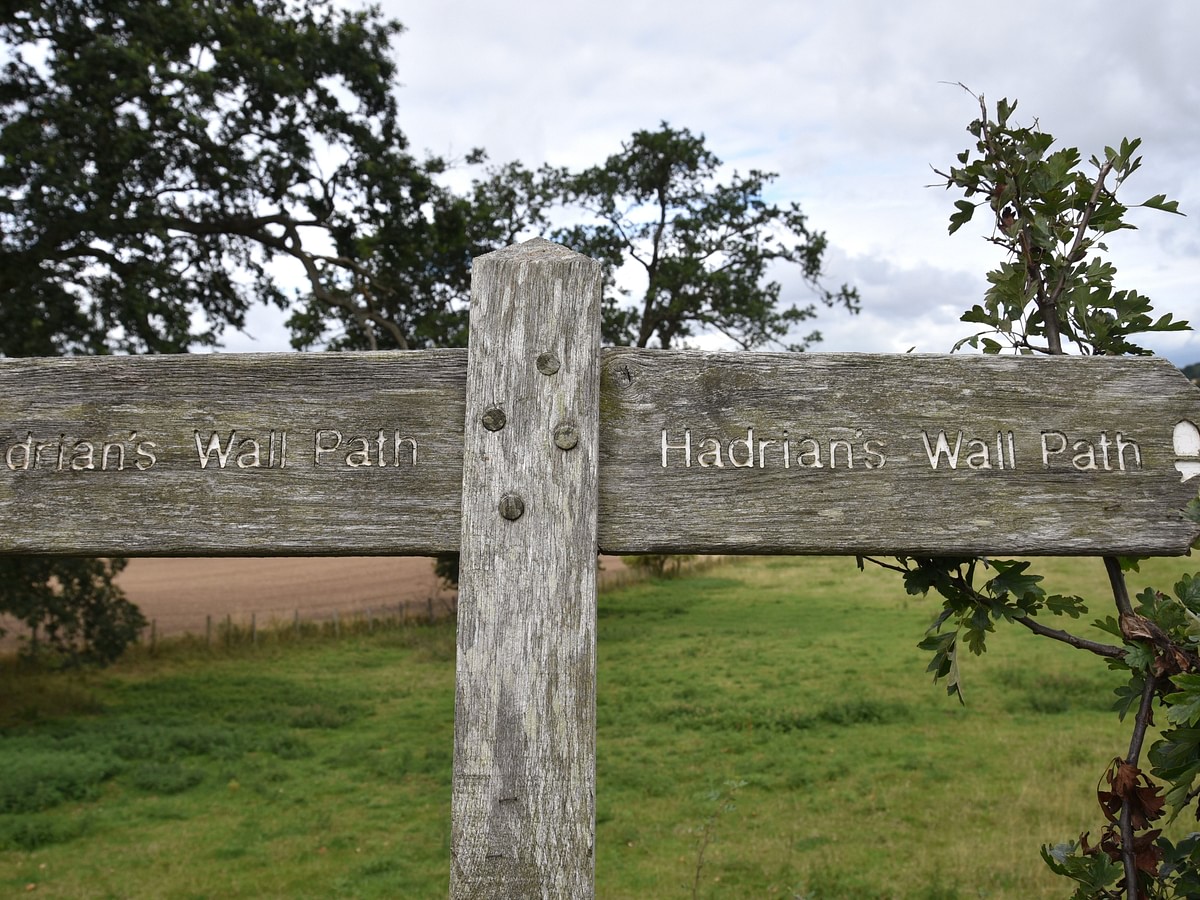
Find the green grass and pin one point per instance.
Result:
(767, 723)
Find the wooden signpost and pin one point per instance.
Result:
(535, 449)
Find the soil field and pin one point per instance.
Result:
(179, 595)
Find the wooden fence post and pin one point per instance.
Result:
(524, 746)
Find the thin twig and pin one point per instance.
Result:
(1128, 839)
(1106, 650)
(884, 565)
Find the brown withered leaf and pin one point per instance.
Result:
(1136, 628)
(1130, 785)
(1084, 847)
(1124, 778)
(1146, 854)
(1149, 806)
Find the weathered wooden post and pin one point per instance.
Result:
(524, 719)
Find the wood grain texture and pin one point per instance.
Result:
(1016, 504)
(60, 492)
(524, 749)
(1061, 455)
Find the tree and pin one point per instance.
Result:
(707, 247)
(71, 606)
(158, 161)
(422, 268)
(1055, 291)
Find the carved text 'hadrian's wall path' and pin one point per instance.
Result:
(767, 453)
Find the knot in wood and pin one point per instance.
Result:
(548, 363)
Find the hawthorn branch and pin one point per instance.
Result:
(1106, 650)
(1116, 578)
(1128, 848)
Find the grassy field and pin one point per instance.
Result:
(766, 729)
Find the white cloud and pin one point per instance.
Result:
(850, 103)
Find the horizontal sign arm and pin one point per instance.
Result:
(699, 452)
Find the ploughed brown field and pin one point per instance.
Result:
(180, 594)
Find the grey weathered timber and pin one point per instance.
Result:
(857, 454)
(1040, 456)
(524, 746)
(252, 454)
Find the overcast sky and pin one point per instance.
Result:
(851, 103)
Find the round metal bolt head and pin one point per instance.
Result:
(548, 363)
(512, 507)
(494, 419)
(566, 437)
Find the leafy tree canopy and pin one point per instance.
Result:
(156, 158)
(708, 247)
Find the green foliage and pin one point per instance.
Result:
(1054, 291)
(707, 247)
(41, 780)
(28, 832)
(445, 567)
(1051, 218)
(74, 609)
(157, 159)
(972, 606)
(1094, 872)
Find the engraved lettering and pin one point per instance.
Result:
(710, 454)
(26, 456)
(833, 449)
(810, 457)
(1104, 445)
(1103, 454)
(1122, 446)
(249, 454)
(1085, 456)
(84, 456)
(321, 447)
(120, 449)
(1047, 452)
(941, 449)
(205, 453)
(875, 457)
(145, 451)
(686, 447)
(412, 442)
(360, 455)
(762, 453)
(748, 444)
(979, 455)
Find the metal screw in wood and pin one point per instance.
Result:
(512, 507)
(566, 437)
(494, 419)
